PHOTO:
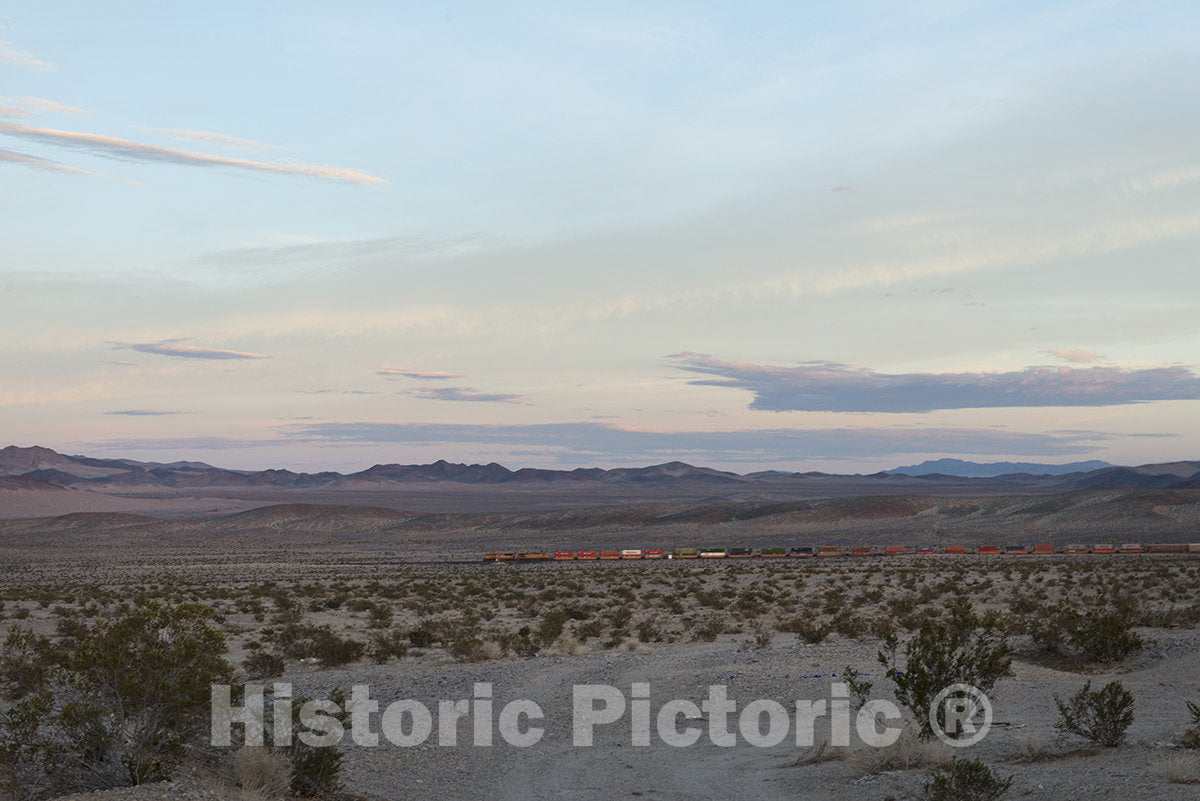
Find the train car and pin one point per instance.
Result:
(610, 554)
(685, 553)
(490, 557)
(740, 553)
(1104, 547)
(772, 553)
(957, 550)
(1013, 550)
(654, 553)
(586, 556)
(713, 553)
(1076, 549)
(533, 556)
(1193, 547)
(1131, 547)
(503, 557)
(564, 556)
(1166, 548)
(926, 550)
(1043, 549)
(896, 550)
(829, 550)
(864, 550)
(989, 550)
(631, 553)
(801, 550)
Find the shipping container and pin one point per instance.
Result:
(631, 553)
(587, 556)
(829, 550)
(771, 553)
(564, 556)
(926, 550)
(957, 550)
(989, 550)
(533, 556)
(740, 553)
(1166, 548)
(1104, 548)
(1077, 549)
(712, 553)
(896, 550)
(1043, 549)
(1131, 547)
(654, 553)
(801, 550)
(685, 553)
(610, 554)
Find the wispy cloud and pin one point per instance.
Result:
(11, 54)
(342, 250)
(214, 138)
(1075, 355)
(46, 165)
(337, 392)
(29, 106)
(583, 441)
(423, 375)
(141, 413)
(125, 149)
(833, 387)
(468, 394)
(179, 349)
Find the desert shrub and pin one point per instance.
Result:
(466, 648)
(421, 637)
(1191, 738)
(964, 780)
(806, 628)
(709, 630)
(1179, 768)
(1101, 716)
(116, 708)
(649, 631)
(263, 771)
(1096, 630)
(263, 665)
(393, 645)
(316, 771)
(26, 663)
(334, 651)
(860, 688)
(965, 649)
(380, 616)
(909, 751)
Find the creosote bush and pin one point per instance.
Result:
(963, 649)
(115, 707)
(1101, 716)
(964, 780)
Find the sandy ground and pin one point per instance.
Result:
(1161, 677)
(614, 768)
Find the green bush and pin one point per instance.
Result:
(115, 708)
(963, 649)
(1095, 629)
(263, 665)
(964, 780)
(1101, 716)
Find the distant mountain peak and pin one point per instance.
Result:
(966, 469)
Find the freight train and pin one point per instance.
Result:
(859, 551)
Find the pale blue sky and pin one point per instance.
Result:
(616, 232)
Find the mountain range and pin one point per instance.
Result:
(37, 481)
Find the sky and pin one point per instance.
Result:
(810, 236)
